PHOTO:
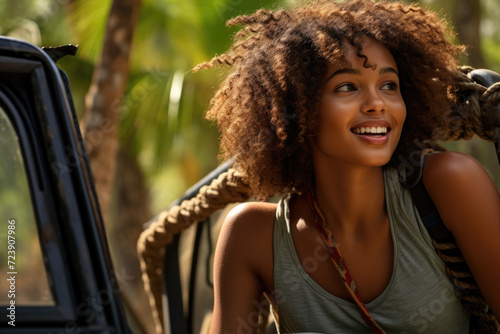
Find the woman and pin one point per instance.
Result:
(323, 102)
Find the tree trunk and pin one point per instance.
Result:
(130, 210)
(467, 17)
(102, 103)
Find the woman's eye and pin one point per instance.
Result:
(347, 87)
(390, 86)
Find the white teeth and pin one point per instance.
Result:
(373, 129)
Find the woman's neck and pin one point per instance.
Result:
(351, 197)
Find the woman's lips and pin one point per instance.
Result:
(373, 132)
(374, 139)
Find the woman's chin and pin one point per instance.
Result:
(376, 160)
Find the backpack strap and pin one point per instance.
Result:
(423, 201)
(429, 213)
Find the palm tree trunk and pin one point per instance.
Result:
(130, 210)
(102, 103)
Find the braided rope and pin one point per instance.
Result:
(478, 109)
(227, 188)
(467, 290)
(476, 112)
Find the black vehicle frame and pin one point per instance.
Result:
(35, 97)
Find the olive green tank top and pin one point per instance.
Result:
(418, 299)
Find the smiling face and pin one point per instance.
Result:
(361, 110)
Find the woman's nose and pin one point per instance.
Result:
(373, 102)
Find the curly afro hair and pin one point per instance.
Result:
(266, 107)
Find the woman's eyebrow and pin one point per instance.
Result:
(344, 71)
(383, 70)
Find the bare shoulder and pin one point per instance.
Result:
(469, 204)
(243, 265)
(247, 233)
(250, 219)
(443, 166)
(252, 213)
(457, 182)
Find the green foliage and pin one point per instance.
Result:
(15, 189)
(15, 205)
(162, 120)
(491, 52)
(490, 33)
(87, 20)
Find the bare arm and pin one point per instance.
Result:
(469, 203)
(243, 253)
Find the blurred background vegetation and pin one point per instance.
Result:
(165, 145)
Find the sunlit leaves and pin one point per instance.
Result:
(87, 20)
